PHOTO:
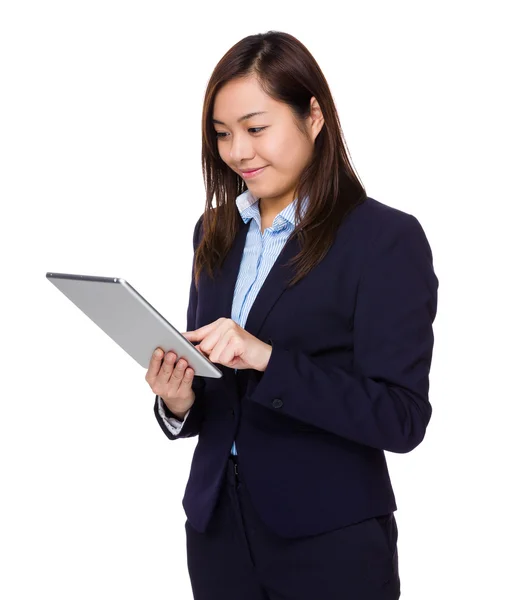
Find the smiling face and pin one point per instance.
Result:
(270, 140)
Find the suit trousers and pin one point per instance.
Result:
(240, 558)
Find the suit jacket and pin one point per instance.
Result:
(348, 377)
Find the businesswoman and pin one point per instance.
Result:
(316, 301)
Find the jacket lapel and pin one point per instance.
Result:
(274, 285)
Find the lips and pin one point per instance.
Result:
(251, 174)
(250, 170)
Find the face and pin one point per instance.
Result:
(271, 140)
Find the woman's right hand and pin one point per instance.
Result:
(172, 383)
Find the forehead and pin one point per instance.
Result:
(240, 97)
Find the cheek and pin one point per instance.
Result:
(285, 153)
(278, 151)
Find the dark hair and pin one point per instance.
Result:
(287, 72)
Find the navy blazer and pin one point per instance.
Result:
(348, 377)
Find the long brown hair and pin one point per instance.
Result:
(287, 72)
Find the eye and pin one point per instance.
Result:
(255, 130)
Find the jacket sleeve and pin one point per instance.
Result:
(192, 423)
(172, 423)
(383, 401)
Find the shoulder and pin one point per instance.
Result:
(375, 227)
(395, 232)
(199, 228)
(198, 231)
(373, 220)
(196, 236)
(199, 225)
(378, 216)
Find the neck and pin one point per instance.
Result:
(272, 207)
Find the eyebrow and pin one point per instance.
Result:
(244, 118)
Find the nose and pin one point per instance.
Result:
(240, 149)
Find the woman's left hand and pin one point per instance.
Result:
(228, 344)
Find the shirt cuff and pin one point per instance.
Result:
(173, 424)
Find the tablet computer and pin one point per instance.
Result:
(134, 324)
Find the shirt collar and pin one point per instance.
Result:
(248, 207)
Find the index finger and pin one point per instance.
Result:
(155, 364)
(197, 335)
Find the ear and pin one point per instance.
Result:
(316, 118)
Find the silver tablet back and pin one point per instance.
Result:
(123, 314)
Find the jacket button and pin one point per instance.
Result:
(277, 403)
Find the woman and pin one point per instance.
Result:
(317, 303)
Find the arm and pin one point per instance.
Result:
(192, 420)
(383, 402)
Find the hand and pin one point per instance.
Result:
(228, 344)
(172, 383)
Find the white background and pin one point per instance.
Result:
(100, 146)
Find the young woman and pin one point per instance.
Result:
(317, 303)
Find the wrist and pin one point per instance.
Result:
(266, 357)
(179, 416)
